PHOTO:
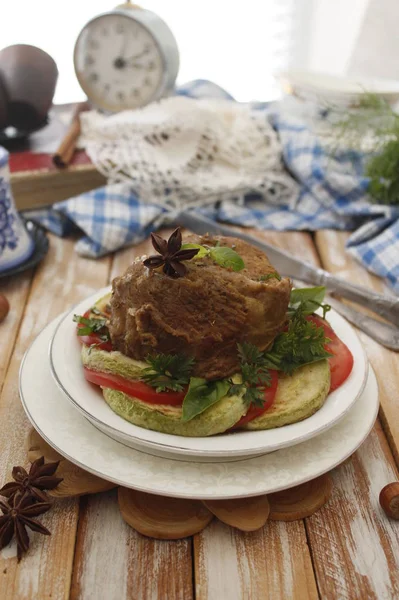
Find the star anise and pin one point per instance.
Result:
(17, 516)
(40, 477)
(170, 254)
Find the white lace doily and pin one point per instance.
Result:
(184, 151)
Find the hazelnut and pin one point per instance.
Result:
(4, 307)
(389, 500)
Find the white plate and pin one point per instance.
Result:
(68, 373)
(75, 438)
(336, 88)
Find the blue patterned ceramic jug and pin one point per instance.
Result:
(16, 245)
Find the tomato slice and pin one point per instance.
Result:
(256, 411)
(93, 338)
(341, 363)
(137, 389)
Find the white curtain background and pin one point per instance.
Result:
(239, 45)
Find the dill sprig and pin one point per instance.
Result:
(374, 126)
(167, 372)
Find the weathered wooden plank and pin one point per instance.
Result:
(331, 246)
(159, 570)
(45, 572)
(117, 562)
(356, 561)
(298, 244)
(114, 561)
(273, 562)
(16, 290)
(355, 547)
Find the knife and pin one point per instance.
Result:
(383, 333)
(386, 306)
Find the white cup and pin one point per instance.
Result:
(16, 245)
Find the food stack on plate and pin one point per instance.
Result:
(197, 365)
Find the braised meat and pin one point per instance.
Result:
(203, 314)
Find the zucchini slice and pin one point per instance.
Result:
(167, 419)
(298, 397)
(113, 362)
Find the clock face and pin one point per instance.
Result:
(118, 63)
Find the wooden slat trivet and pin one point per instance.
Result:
(247, 514)
(162, 517)
(301, 501)
(77, 482)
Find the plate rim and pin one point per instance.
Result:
(312, 81)
(371, 380)
(119, 435)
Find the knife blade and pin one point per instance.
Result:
(384, 305)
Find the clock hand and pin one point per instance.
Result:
(124, 46)
(136, 66)
(135, 57)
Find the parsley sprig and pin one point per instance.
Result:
(168, 372)
(93, 325)
(301, 344)
(255, 375)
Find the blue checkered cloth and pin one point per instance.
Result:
(332, 194)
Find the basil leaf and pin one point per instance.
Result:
(202, 251)
(304, 294)
(201, 395)
(227, 258)
(309, 299)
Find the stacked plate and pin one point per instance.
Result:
(72, 416)
(336, 90)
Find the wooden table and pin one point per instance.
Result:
(349, 549)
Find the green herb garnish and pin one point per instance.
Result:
(96, 311)
(202, 251)
(308, 300)
(92, 325)
(222, 255)
(201, 395)
(375, 121)
(227, 258)
(167, 372)
(303, 343)
(255, 375)
(270, 276)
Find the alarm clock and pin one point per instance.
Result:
(126, 58)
